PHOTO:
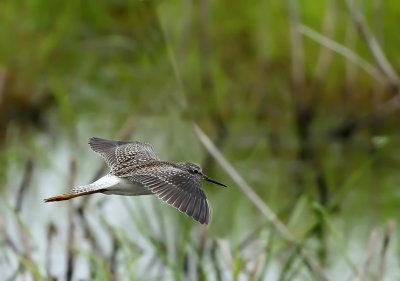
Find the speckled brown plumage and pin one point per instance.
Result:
(121, 155)
(136, 170)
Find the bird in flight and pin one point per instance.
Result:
(136, 170)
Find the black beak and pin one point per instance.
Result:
(213, 181)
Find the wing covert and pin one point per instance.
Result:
(122, 154)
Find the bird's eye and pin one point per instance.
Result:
(195, 171)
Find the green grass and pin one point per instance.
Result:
(81, 68)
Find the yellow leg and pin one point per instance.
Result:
(70, 196)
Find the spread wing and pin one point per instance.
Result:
(177, 188)
(122, 154)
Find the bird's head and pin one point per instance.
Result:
(196, 171)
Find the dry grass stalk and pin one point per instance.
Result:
(388, 234)
(373, 45)
(370, 251)
(344, 51)
(256, 200)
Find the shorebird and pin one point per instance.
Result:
(136, 170)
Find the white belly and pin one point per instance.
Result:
(121, 186)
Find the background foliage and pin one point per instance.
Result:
(301, 97)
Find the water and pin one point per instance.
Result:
(153, 238)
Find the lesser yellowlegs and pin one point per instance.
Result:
(136, 170)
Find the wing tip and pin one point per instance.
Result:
(201, 216)
(100, 144)
(106, 143)
(203, 213)
(96, 140)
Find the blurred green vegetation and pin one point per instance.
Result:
(305, 136)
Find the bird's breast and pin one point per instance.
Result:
(123, 186)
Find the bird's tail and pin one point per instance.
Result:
(98, 186)
(67, 196)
